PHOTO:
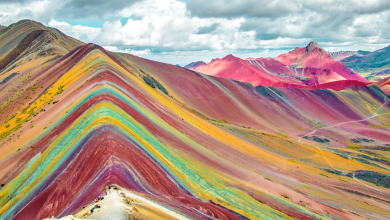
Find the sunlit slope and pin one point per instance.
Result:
(26, 48)
(201, 146)
(15, 33)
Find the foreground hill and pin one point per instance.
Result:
(34, 43)
(310, 67)
(184, 144)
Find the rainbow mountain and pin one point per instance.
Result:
(76, 118)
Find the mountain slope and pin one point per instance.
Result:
(33, 40)
(197, 64)
(339, 55)
(193, 145)
(301, 68)
(252, 71)
(315, 57)
(374, 66)
(384, 84)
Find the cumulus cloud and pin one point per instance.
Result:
(86, 34)
(13, 11)
(127, 50)
(13, 1)
(281, 8)
(166, 24)
(247, 8)
(326, 21)
(92, 8)
(207, 29)
(151, 27)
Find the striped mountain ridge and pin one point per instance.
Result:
(201, 146)
(31, 40)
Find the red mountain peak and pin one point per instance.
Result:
(313, 46)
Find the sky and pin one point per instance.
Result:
(180, 31)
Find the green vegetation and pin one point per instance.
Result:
(292, 160)
(10, 118)
(297, 127)
(154, 83)
(60, 89)
(220, 121)
(353, 146)
(25, 113)
(370, 63)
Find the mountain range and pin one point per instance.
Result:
(374, 66)
(77, 120)
(310, 67)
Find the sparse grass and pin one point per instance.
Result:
(292, 160)
(324, 175)
(281, 135)
(354, 145)
(297, 127)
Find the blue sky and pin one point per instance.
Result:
(179, 32)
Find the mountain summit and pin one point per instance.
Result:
(314, 56)
(195, 64)
(302, 67)
(313, 45)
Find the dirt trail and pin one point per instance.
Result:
(112, 207)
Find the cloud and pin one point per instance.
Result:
(130, 51)
(166, 25)
(13, 1)
(281, 8)
(179, 29)
(247, 8)
(78, 9)
(207, 29)
(83, 33)
(13, 11)
(45, 10)
(326, 21)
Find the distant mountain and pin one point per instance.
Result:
(314, 56)
(374, 66)
(384, 85)
(378, 76)
(195, 65)
(262, 71)
(302, 67)
(339, 55)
